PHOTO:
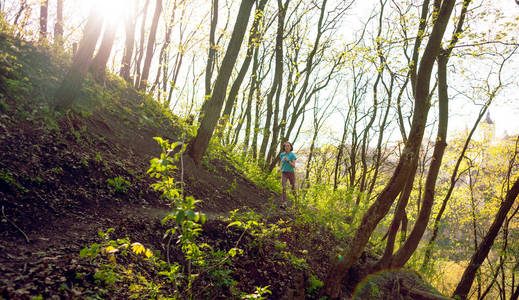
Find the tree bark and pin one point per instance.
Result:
(44, 13)
(98, 65)
(211, 113)
(385, 260)
(140, 50)
(150, 49)
(453, 180)
(129, 30)
(479, 256)
(395, 185)
(253, 43)
(163, 54)
(408, 248)
(278, 79)
(250, 99)
(23, 6)
(211, 56)
(72, 82)
(276, 84)
(58, 27)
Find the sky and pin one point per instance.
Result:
(504, 111)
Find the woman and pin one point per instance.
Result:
(288, 165)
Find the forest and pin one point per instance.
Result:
(143, 146)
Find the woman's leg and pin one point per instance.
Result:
(292, 178)
(283, 185)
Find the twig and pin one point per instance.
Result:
(12, 223)
(167, 248)
(215, 265)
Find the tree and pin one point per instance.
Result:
(211, 56)
(211, 111)
(253, 43)
(303, 84)
(150, 50)
(44, 12)
(275, 89)
(140, 50)
(58, 26)
(71, 85)
(98, 65)
(383, 202)
(129, 31)
(163, 53)
(410, 245)
(318, 122)
(24, 7)
(479, 256)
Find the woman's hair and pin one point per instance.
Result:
(291, 147)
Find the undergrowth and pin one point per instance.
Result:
(132, 270)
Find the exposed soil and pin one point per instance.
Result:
(55, 195)
(53, 186)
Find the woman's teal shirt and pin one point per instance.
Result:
(285, 166)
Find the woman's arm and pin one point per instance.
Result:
(292, 162)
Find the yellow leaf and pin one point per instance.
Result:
(148, 253)
(110, 249)
(138, 248)
(135, 288)
(112, 259)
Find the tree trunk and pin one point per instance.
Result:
(480, 255)
(72, 82)
(410, 245)
(163, 54)
(44, 13)
(252, 45)
(58, 27)
(310, 156)
(385, 260)
(98, 65)
(278, 78)
(250, 99)
(515, 294)
(150, 49)
(395, 185)
(23, 6)
(140, 53)
(211, 114)
(408, 248)
(304, 98)
(129, 30)
(256, 129)
(211, 56)
(453, 180)
(338, 159)
(276, 86)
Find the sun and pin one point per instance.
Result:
(113, 11)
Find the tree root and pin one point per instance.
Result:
(418, 294)
(15, 226)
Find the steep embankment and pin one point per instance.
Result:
(64, 177)
(56, 171)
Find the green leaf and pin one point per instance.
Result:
(235, 223)
(191, 215)
(180, 216)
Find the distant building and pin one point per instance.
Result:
(487, 130)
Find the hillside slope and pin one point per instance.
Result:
(66, 177)
(54, 172)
